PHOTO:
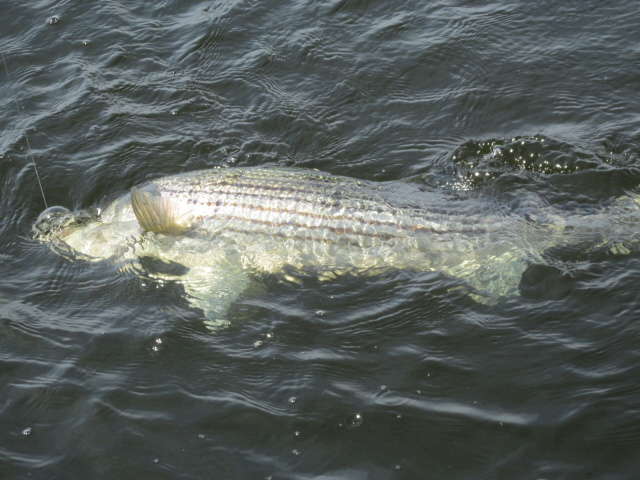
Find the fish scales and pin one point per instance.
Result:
(307, 206)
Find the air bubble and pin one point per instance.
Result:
(27, 431)
(354, 420)
(53, 20)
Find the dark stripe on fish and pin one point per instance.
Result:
(235, 194)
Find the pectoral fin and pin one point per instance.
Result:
(214, 289)
(158, 214)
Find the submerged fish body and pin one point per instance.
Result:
(225, 226)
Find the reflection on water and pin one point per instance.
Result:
(398, 375)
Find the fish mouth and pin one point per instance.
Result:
(57, 223)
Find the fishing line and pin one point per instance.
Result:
(33, 161)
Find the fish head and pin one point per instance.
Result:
(58, 222)
(80, 234)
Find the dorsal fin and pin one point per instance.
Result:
(157, 214)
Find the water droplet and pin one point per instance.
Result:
(201, 435)
(258, 343)
(296, 452)
(320, 313)
(297, 434)
(174, 112)
(86, 43)
(53, 20)
(293, 400)
(27, 431)
(354, 420)
(398, 467)
(384, 388)
(156, 460)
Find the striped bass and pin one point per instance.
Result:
(227, 227)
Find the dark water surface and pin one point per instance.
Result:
(105, 375)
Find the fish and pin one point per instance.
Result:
(220, 230)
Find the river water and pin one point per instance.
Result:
(396, 376)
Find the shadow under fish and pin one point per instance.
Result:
(217, 231)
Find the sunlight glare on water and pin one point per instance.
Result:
(526, 109)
